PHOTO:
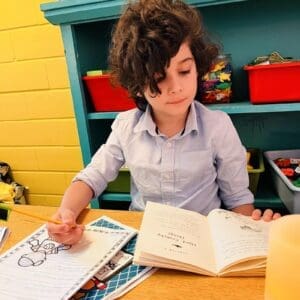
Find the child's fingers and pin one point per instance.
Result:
(256, 214)
(67, 233)
(68, 217)
(276, 216)
(268, 215)
(71, 237)
(57, 228)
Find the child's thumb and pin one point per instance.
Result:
(68, 217)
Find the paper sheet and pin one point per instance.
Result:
(124, 279)
(39, 268)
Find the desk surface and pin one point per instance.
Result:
(164, 284)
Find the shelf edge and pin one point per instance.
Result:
(231, 108)
(80, 11)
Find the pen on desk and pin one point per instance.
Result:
(4, 211)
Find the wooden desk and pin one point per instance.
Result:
(164, 284)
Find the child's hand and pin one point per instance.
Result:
(267, 216)
(67, 233)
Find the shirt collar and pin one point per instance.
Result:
(146, 122)
(191, 123)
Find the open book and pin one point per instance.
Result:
(222, 244)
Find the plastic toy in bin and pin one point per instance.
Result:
(290, 167)
(286, 187)
(216, 84)
(105, 96)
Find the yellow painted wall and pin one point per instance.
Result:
(38, 130)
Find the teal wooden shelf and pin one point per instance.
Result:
(230, 108)
(102, 115)
(80, 11)
(86, 26)
(266, 198)
(203, 3)
(272, 202)
(248, 108)
(116, 197)
(111, 197)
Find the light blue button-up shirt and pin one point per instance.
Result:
(195, 169)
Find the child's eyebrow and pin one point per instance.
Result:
(185, 60)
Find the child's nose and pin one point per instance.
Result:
(175, 86)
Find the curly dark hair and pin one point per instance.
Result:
(146, 37)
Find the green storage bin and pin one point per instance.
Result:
(257, 162)
(121, 184)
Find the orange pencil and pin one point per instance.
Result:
(4, 207)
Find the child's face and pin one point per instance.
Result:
(179, 87)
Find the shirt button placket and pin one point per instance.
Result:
(167, 172)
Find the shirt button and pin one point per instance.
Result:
(169, 144)
(166, 176)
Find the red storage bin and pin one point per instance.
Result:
(274, 83)
(105, 96)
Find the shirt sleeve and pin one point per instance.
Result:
(105, 164)
(231, 164)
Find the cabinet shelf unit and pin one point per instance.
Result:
(245, 28)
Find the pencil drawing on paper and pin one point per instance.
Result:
(40, 249)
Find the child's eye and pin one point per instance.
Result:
(185, 72)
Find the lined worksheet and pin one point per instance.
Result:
(40, 268)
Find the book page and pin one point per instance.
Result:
(237, 237)
(46, 269)
(172, 236)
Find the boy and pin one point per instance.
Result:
(179, 152)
